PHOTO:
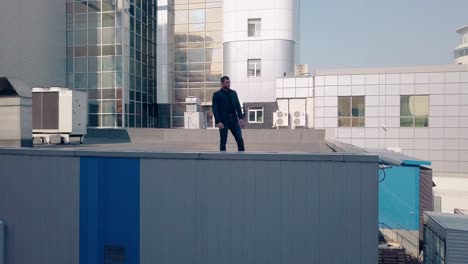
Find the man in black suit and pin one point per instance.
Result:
(228, 114)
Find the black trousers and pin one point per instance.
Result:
(233, 125)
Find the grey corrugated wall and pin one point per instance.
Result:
(258, 211)
(33, 40)
(39, 204)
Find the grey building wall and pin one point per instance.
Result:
(258, 209)
(268, 110)
(39, 204)
(32, 37)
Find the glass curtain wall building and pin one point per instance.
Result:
(198, 51)
(111, 54)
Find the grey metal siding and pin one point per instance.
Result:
(426, 197)
(457, 247)
(32, 37)
(40, 211)
(258, 211)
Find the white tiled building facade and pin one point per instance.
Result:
(421, 110)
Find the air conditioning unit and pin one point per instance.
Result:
(299, 118)
(281, 119)
(59, 112)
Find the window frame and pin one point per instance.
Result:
(414, 117)
(257, 27)
(256, 110)
(255, 62)
(352, 119)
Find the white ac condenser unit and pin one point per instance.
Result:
(59, 112)
(281, 119)
(299, 118)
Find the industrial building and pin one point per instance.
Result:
(138, 202)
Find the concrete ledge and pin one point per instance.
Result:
(275, 156)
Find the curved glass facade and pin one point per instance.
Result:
(111, 54)
(198, 53)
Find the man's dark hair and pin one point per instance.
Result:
(224, 78)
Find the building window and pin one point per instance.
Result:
(254, 27)
(254, 68)
(255, 114)
(414, 111)
(351, 111)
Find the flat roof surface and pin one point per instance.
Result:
(450, 221)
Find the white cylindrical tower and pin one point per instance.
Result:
(461, 51)
(259, 43)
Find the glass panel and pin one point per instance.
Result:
(94, 36)
(358, 109)
(93, 120)
(80, 21)
(81, 80)
(181, 17)
(108, 6)
(108, 120)
(94, 20)
(405, 106)
(80, 37)
(196, 55)
(94, 51)
(260, 116)
(252, 117)
(344, 106)
(94, 6)
(92, 81)
(108, 63)
(197, 27)
(197, 16)
(81, 51)
(420, 105)
(94, 64)
(108, 20)
(80, 7)
(108, 106)
(358, 122)
(406, 121)
(214, 15)
(344, 122)
(108, 36)
(108, 94)
(421, 121)
(80, 65)
(214, 36)
(108, 79)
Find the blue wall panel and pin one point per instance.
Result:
(399, 198)
(109, 210)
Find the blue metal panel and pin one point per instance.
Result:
(399, 198)
(109, 209)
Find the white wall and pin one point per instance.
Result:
(275, 46)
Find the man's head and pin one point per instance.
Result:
(225, 82)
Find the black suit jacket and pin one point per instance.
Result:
(221, 109)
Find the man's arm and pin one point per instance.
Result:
(216, 109)
(238, 108)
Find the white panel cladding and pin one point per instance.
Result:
(372, 79)
(407, 89)
(261, 88)
(277, 19)
(33, 41)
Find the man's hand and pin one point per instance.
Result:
(241, 123)
(220, 125)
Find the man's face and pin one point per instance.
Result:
(226, 84)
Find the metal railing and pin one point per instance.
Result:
(396, 237)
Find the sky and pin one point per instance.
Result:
(380, 33)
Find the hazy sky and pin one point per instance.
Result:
(370, 33)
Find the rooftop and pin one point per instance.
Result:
(450, 221)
